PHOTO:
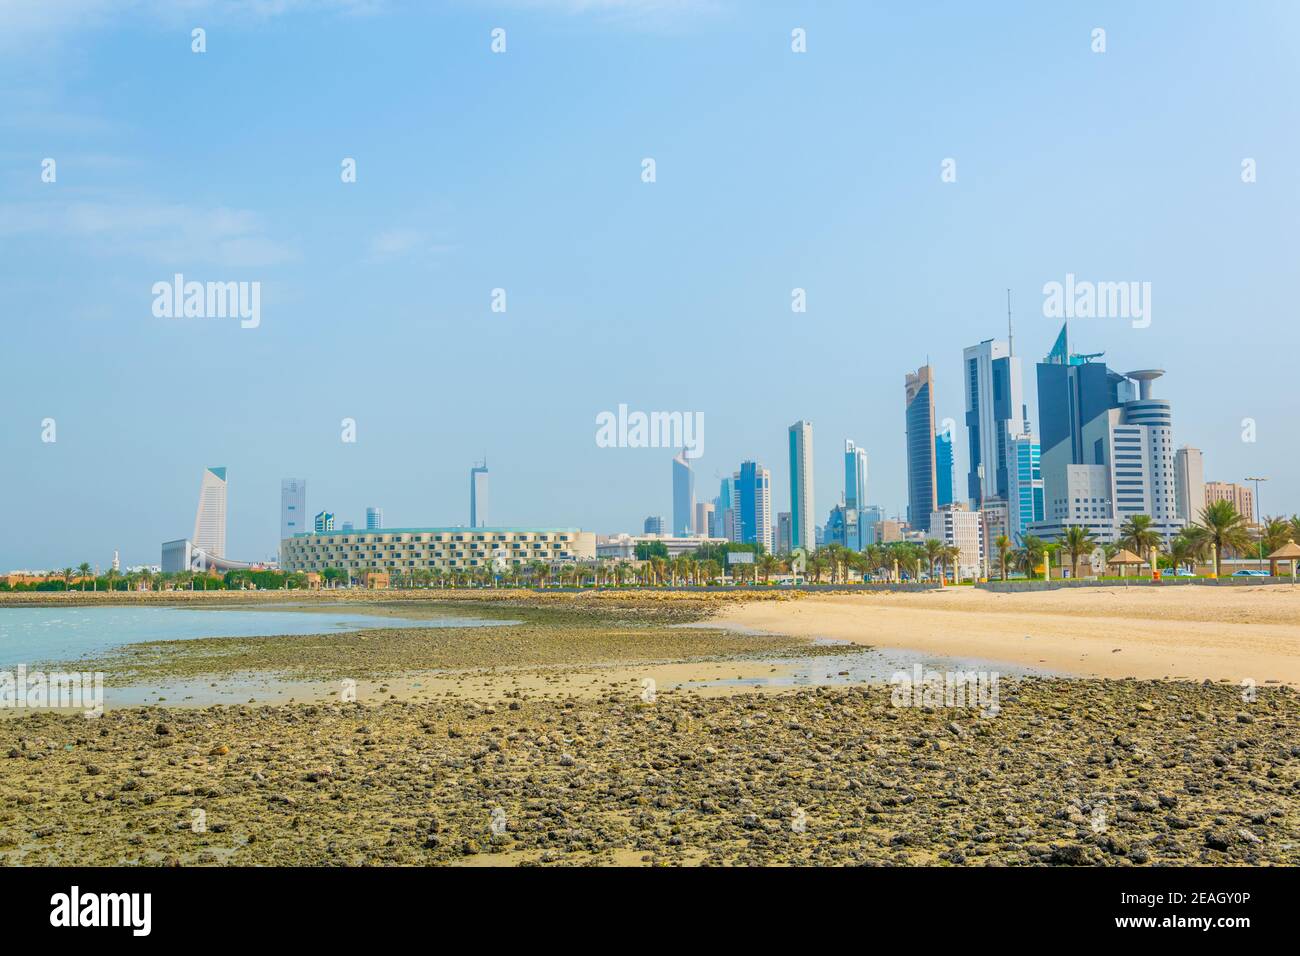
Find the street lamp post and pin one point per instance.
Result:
(1259, 511)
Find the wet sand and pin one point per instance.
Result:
(1190, 633)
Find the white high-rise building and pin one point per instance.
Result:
(1142, 457)
(855, 475)
(803, 525)
(210, 519)
(293, 507)
(1124, 465)
(683, 496)
(1189, 483)
(374, 519)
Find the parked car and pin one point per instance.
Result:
(1247, 573)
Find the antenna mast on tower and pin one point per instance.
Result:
(1010, 339)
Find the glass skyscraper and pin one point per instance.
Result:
(754, 504)
(995, 414)
(921, 498)
(802, 522)
(943, 468)
(1025, 500)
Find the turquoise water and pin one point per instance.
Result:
(29, 635)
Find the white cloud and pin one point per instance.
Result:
(627, 10)
(25, 24)
(396, 243)
(172, 234)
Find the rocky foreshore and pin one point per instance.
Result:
(1119, 773)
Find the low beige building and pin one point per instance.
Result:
(443, 548)
(1241, 496)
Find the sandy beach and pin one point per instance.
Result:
(1187, 633)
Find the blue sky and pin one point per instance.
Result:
(521, 171)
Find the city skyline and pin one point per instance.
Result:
(761, 526)
(604, 271)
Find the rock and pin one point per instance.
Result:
(1069, 854)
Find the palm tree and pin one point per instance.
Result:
(1225, 528)
(835, 554)
(1030, 555)
(768, 565)
(1186, 547)
(1138, 536)
(878, 559)
(1078, 540)
(933, 551)
(1003, 544)
(1274, 533)
(84, 570)
(856, 561)
(949, 555)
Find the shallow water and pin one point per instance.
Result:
(874, 666)
(30, 635)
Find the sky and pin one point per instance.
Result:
(522, 171)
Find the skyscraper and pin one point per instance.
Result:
(943, 468)
(210, 519)
(293, 507)
(1025, 496)
(855, 476)
(654, 525)
(868, 517)
(374, 519)
(683, 496)
(842, 528)
(478, 495)
(1189, 483)
(703, 517)
(324, 522)
(802, 522)
(725, 521)
(855, 499)
(921, 498)
(995, 413)
(1107, 446)
(783, 533)
(753, 489)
